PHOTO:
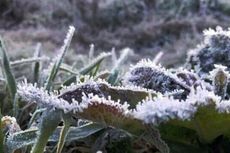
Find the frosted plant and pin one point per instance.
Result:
(101, 88)
(32, 94)
(214, 50)
(220, 79)
(151, 76)
(100, 109)
(188, 77)
(164, 108)
(10, 125)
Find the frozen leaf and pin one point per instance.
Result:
(148, 75)
(214, 50)
(130, 94)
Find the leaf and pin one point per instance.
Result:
(28, 137)
(11, 83)
(178, 134)
(153, 137)
(76, 133)
(180, 148)
(21, 139)
(132, 95)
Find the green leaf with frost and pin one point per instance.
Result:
(28, 137)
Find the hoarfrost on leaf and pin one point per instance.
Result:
(32, 94)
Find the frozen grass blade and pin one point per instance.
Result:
(97, 61)
(114, 73)
(91, 52)
(11, 83)
(114, 56)
(64, 132)
(28, 61)
(68, 69)
(59, 59)
(37, 66)
(88, 69)
(157, 58)
(35, 114)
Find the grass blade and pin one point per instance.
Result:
(114, 73)
(11, 83)
(28, 61)
(97, 61)
(37, 66)
(59, 59)
(88, 69)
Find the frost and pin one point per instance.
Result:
(100, 109)
(148, 75)
(215, 49)
(103, 89)
(32, 94)
(94, 100)
(164, 108)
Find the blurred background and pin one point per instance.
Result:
(146, 26)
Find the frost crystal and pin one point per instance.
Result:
(162, 109)
(30, 93)
(103, 89)
(100, 109)
(94, 100)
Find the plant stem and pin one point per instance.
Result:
(49, 123)
(63, 133)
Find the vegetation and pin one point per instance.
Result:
(150, 109)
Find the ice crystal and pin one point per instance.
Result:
(32, 94)
(164, 108)
(95, 108)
